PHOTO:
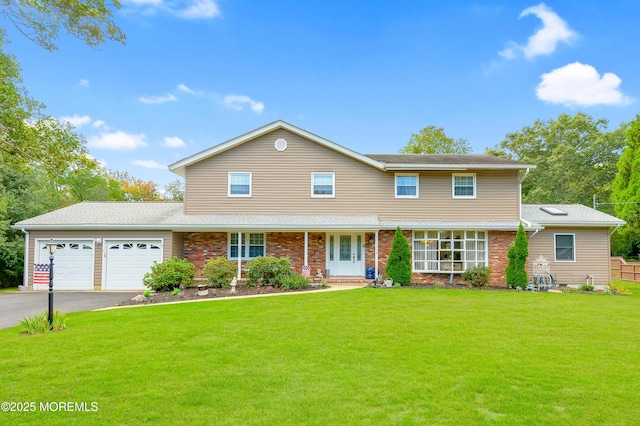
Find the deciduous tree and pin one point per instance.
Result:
(41, 20)
(575, 157)
(433, 140)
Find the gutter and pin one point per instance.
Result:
(615, 229)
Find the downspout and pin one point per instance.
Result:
(239, 254)
(376, 256)
(526, 222)
(25, 278)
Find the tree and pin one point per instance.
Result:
(174, 191)
(28, 138)
(399, 263)
(134, 189)
(518, 253)
(575, 157)
(626, 193)
(433, 140)
(41, 20)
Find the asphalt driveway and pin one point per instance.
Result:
(16, 306)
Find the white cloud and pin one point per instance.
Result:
(76, 121)
(544, 42)
(157, 99)
(174, 142)
(238, 102)
(579, 84)
(193, 9)
(100, 124)
(148, 164)
(186, 89)
(200, 9)
(118, 141)
(83, 83)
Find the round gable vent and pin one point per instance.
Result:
(281, 145)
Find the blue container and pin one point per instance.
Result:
(370, 273)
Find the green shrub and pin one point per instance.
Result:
(518, 253)
(586, 287)
(170, 274)
(399, 263)
(219, 272)
(477, 276)
(39, 323)
(267, 271)
(295, 281)
(618, 288)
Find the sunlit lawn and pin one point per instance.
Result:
(366, 356)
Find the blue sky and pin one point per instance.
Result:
(364, 74)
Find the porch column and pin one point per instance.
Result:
(306, 248)
(376, 255)
(239, 254)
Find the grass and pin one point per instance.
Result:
(396, 356)
(9, 289)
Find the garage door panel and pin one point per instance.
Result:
(127, 261)
(72, 264)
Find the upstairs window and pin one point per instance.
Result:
(406, 186)
(464, 185)
(565, 247)
(323, 185)
(239, 184)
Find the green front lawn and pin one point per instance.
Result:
(367, 356)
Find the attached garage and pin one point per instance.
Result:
(72, 265)
(126, 262)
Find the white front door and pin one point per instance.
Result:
(346, 254)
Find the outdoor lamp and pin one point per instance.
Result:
(51, 246)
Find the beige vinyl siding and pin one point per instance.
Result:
(592, 252)
(178, 245)
(281, 184)
(166, 236)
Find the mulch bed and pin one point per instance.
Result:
(214, 293)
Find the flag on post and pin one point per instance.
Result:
(306, 271)
(41, 274)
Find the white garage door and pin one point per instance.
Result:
(72, 264)
(126, 262)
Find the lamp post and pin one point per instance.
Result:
(52, 249)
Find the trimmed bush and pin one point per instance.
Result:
(170, 274)
(219, 272)
(267, 271)
(295, 281)
(399, 264)
(477, 276)
(518, 253)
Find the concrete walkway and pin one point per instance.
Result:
(333, 287)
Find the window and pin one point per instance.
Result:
(323, 185)
(239, 184)
(448, 250)
(565, 247)
(464, 185)
(252, 243)
(406, 186)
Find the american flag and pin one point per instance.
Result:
(41, 274)
(306, 271)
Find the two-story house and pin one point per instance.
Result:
(280, 191)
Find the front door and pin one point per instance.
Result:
(346, 254)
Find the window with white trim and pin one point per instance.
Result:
(407, 185)
(464, 185)
(239, 184)
(323, 185)
(565, 247)
(448, 250)
(253, 245)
